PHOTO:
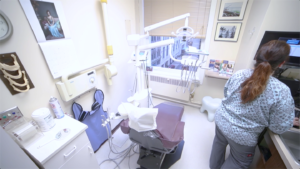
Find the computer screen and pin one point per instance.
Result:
(291, 38)
(295, 50)
(294, 44)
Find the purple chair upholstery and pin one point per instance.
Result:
(169, 125)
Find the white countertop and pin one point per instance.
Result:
(210, 73)
(282, 150)
(46, 152)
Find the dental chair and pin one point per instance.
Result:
(162, 147)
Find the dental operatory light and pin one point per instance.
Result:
(192, 64)
(142, 97)
(185, 33)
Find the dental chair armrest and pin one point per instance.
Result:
(125, 126)
(178, 136)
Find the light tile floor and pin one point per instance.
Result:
(198, 135)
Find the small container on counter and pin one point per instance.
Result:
(43, 118)
(59, 113)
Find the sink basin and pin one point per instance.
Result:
(291, 140)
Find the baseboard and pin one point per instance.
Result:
(177, 101)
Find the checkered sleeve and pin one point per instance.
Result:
(282, 112)
(226, 87)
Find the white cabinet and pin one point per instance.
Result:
(10, 152)
(75, 151)
(85, 158)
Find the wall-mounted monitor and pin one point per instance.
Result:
(292, 38)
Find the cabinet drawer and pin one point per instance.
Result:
(67, 152)
(85, 158)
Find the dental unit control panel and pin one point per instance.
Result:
(142, 55)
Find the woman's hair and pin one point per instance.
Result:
(48, 11)
(268, 58)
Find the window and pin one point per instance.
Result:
(164, 60)
(201, 17)
(167, 50)
(166, 64)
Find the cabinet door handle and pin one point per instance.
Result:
(74, 148)
(91, 150)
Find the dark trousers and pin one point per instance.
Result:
(240, 156)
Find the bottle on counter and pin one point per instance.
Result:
(59, 113)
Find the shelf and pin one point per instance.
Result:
(213, 74)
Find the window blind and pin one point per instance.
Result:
(159, 10)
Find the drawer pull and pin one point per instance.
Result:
(66, 155)
(91, 150)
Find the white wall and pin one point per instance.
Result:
(263, 15)
(227, 50)
(267, 15)
(272, 15)
(223, 51)
(85, 22)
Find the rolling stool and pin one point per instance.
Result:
(210, 105)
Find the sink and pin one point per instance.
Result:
(291, 140)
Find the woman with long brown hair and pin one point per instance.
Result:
(253, 100)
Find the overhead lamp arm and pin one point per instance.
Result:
(156, 44)
(157, 25)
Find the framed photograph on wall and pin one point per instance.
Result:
(231, 10)
(47, 19)
(228, 31)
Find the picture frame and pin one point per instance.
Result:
(232, 10)
(228, 31)
(47, 19)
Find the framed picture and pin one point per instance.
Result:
(231, 10)
(47, 19)
(228, 31)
